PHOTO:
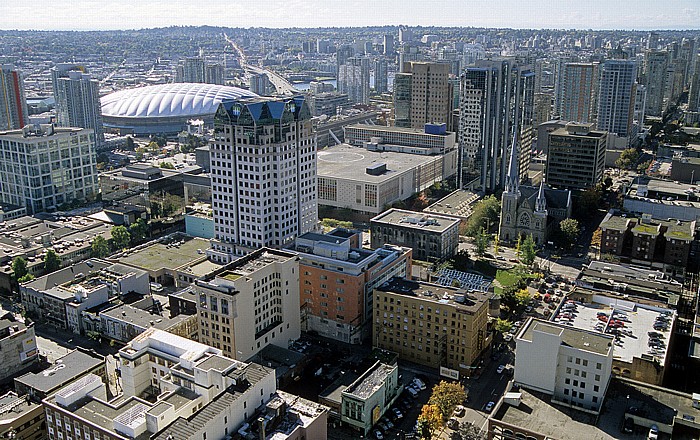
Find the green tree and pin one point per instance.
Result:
(460, 261)
(569, 231)
(482, 241)
(138, 230)
(446, 396)
(99, 247)
(484, 215)
(51, 261)
(429, 421)
(628, 158)
(528, 251)
(589, 200)
(468, 431)
(120, 237)
(502, 326)
(19, 268)
(167, 165)
(25, 278)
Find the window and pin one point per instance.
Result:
(585, 362)
(596, 388)
(567, 381)
(597, 377)
(598, 366)
(578, 361)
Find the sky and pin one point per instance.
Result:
(138, 14)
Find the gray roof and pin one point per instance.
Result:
(76, 363)
(556, 198)
(64, 275)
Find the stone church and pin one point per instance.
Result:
(529, 210)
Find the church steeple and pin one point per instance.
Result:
(513, 177)
(541, 202)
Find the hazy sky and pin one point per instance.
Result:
(134, 14)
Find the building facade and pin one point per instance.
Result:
(432, 237)
(656, 63)
(431, 325)
(336, 280)
(250, 303)
(370, 396)
(263, 174)
(18, 349)
(572, 365)
(13, 103)
(576, 157)
(353, 79)
(44, 167)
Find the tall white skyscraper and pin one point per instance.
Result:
(193, 70)
(263, 175)
(77, 97)
(496, 102)
(13, 104)
(353, 79)
(617, 96)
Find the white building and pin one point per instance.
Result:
(263, 174)
(353, 79)
(250, 303)
(42, 167)
(571, 364)
(195, 393)
(616, 97)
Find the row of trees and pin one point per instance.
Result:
(443, 400)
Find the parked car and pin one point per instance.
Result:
(459, 411)
(378, 434)
(397, 413)
(500, 369)
(453, 423)
(489, 406)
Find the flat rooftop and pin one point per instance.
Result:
(537, 414)
(247, 265)
(458, 204)
(631, 340)
(167, 255)
(581, 339)
(395, 129)
(64, 370)
(435, 293)
(348, 163)
(629, 279)
(371, 381)
(416, 220)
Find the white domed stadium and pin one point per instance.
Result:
(165, 108)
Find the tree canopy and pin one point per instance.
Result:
(569, 232)
(628, 159)
(138, 229)
(120, 237)
(99, 247)
(484, 215)
(446, 396)
(502, 325)
(51, 261)
(19, 268)
(429, 420)
(482, 241)
(528, 251)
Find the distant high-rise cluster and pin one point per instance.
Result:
(13, 105)
(195, 70)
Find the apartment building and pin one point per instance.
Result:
(336, 280)
(250, 303)
(432, 325)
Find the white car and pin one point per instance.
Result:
(500, 369)
(489, 406)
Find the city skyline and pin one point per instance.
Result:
(129, 14)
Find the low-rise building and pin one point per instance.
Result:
(663, 199)
(21, 418)
(336, 281)
(61, 297)
(663, 244)
(172, 387)
(18, 349)
(433, 139)
(250, 303)
(432, 237)
(570, 364)
(457, 204)
(388, 176)
(432, 325)
(66, 369)
(366, 400)
(124, 322)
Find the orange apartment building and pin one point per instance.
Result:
(337, 278)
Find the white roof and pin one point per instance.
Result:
(169, 100)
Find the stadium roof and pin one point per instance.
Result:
(169, 100)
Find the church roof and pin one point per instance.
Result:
(556, 198)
